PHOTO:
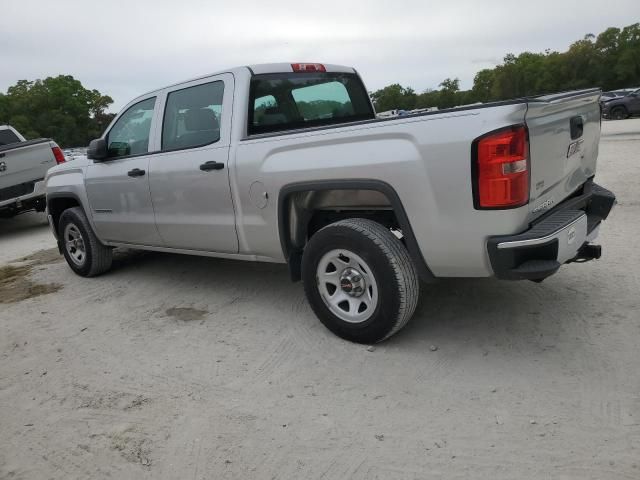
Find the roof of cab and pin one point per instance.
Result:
(257, 69)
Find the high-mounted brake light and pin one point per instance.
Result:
(308, 67)
(501, 169)
(59, 156)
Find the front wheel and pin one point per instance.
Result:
(360, 280)
(619, 113)
(81, 248)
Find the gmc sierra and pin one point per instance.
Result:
(23, 165)
(288, 163)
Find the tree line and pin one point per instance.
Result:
(63, 109)
(609, 61)
(56, 107)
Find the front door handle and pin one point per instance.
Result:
(136, 172)
(206, 166)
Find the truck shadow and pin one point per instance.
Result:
(484, 315)
(461, 315)
(24, 223)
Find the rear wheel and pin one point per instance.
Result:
(81, 248)
(360, 280)
(619, 113)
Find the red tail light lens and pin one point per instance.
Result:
(57, 153)
(308, 67)
(501, 169)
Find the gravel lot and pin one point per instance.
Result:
(182, 367)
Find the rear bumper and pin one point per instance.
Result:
(31, 193)
(561, 236)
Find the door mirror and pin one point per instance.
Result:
(97, 149)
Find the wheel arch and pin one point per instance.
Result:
(294, 219)
(58, 203)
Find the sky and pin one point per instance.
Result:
(126, 48)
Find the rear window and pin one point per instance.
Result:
(289, 101)
(7, 137)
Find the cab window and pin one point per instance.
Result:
(289, 101)
(7, 137)
(130, 134)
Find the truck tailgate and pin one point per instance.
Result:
(564, 133)
(25, 162)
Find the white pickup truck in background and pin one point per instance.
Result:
(23, 166)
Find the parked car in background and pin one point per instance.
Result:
(606, 96)
(73, 153)
(620, 108)
(23, 165)
(288, 163)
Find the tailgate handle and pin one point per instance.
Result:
(577, 127)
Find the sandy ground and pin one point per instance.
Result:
(178, 367)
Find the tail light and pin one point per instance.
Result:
(308, 67)
(59, 156)
(500, 168)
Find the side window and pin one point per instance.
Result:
(192, 116)
(130, 134)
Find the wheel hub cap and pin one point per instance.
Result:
(352, 282)
(347, 285)
(74, 244)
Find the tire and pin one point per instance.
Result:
(373, 303)
(74, 228)
(619, 113)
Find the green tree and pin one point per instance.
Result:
(394, 97)
(56, 107)
(483, 85)
(429, 98)
(610, 60)
(627, 67)
(448, 90)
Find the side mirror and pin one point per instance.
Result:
(97, 149)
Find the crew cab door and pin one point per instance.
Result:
(118, 186)
(189, 176)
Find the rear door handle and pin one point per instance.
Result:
(206, 166)
(136, 172)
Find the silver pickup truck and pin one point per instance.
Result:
(288, 163)
(23, 165)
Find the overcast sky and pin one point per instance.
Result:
(125, 48)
